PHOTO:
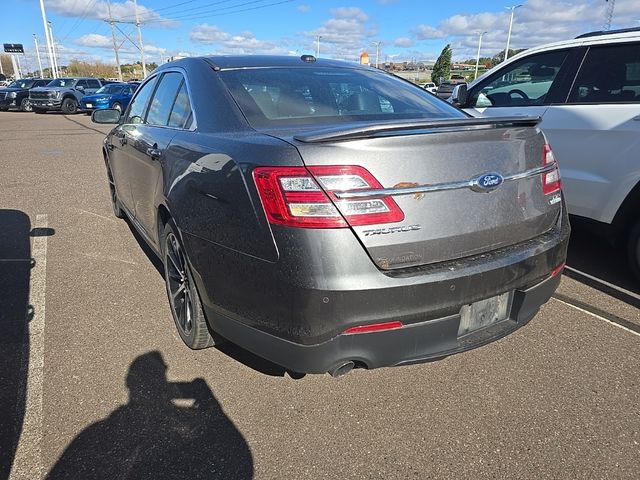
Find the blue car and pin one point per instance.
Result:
(112, 95)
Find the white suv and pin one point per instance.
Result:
(587, 91)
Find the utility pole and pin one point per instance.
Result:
(35, 40)
(608, 15)
(113, 36)
(144, 65)
(14, 66)
(20, 74)
(48, 39)
(318, 37)
(478, 55)
(506, 50)
(53, 50)
(377, 44)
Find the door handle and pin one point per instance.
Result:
(123, 141)
(154, 153)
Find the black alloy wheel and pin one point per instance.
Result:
(184, 300)
(69, 106)
(25, 105)
(115, 203)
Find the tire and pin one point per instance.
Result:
(69, 106)
(633, 249)
(25, 105)
(115, 203)
(184, 301)
(39, 110)
(117, 106)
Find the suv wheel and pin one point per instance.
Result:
(184, 300)
(69, 106)
(117, 106)
(25, 105)
(633, 249)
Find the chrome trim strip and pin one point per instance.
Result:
(438, 187)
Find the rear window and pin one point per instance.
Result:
(284, 96)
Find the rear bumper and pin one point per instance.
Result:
(412, 343)
(294, 311)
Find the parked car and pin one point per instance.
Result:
(446, 88)
(112, 95)
(429, 87)
(16, 94)
(62, 94)
(324, 231)
(587, 91)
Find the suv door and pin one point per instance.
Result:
(121, 158)
(153, 137)
(595, 133)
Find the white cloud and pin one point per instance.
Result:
(94, 40)
(244, 42)
(403, 42)
(303, 8)
(99, 10)
(426, 32)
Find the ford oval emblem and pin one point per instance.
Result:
(487, 182)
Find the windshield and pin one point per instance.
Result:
(21, 84)
(62, 82)
(110, 88)
(303, 95)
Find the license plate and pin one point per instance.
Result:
(89, 105)
(483, 313)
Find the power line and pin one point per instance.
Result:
(78, 21)
(149, 14)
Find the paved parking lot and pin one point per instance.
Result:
(101, 385)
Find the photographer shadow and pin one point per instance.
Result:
(168, 430)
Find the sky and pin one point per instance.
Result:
(408, 29)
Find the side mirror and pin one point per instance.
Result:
(106, 115)
(80, 88)
(459, 95)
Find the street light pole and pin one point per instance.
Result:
(478, 55)
(512, 8)
(53, 50)
(144, 65)
(377, 44)
(48, 39)
(318, 37)
(35, 40)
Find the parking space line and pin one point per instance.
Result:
(27, 463)
(600, 317)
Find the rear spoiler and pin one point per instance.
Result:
(371, 129)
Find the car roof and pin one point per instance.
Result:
(594, 38)
(228, 62)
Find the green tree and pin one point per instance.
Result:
(442, 67)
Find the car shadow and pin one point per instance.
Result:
(168, 430)
(594, 256)
(15, 313)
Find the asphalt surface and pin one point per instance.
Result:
(96, 383)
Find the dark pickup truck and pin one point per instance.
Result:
(16, 94)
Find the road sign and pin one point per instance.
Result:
(13, 48)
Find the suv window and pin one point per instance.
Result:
(609, 74)
(181, 111)
(93, 83)
(138, 106)
(164, 98)
(81, 83)
(524, 83)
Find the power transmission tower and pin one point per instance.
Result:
(608, 16)
(113, 36)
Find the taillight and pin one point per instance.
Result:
(301, 197)
(551, 182)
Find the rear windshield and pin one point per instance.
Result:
(62, 82)
(303, 95)
(110, 88)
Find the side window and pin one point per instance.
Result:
(163, 99)
(524, 83)
(81, 83)
(139, 103)
(609, 74)
(93, 83)
(181, 111)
